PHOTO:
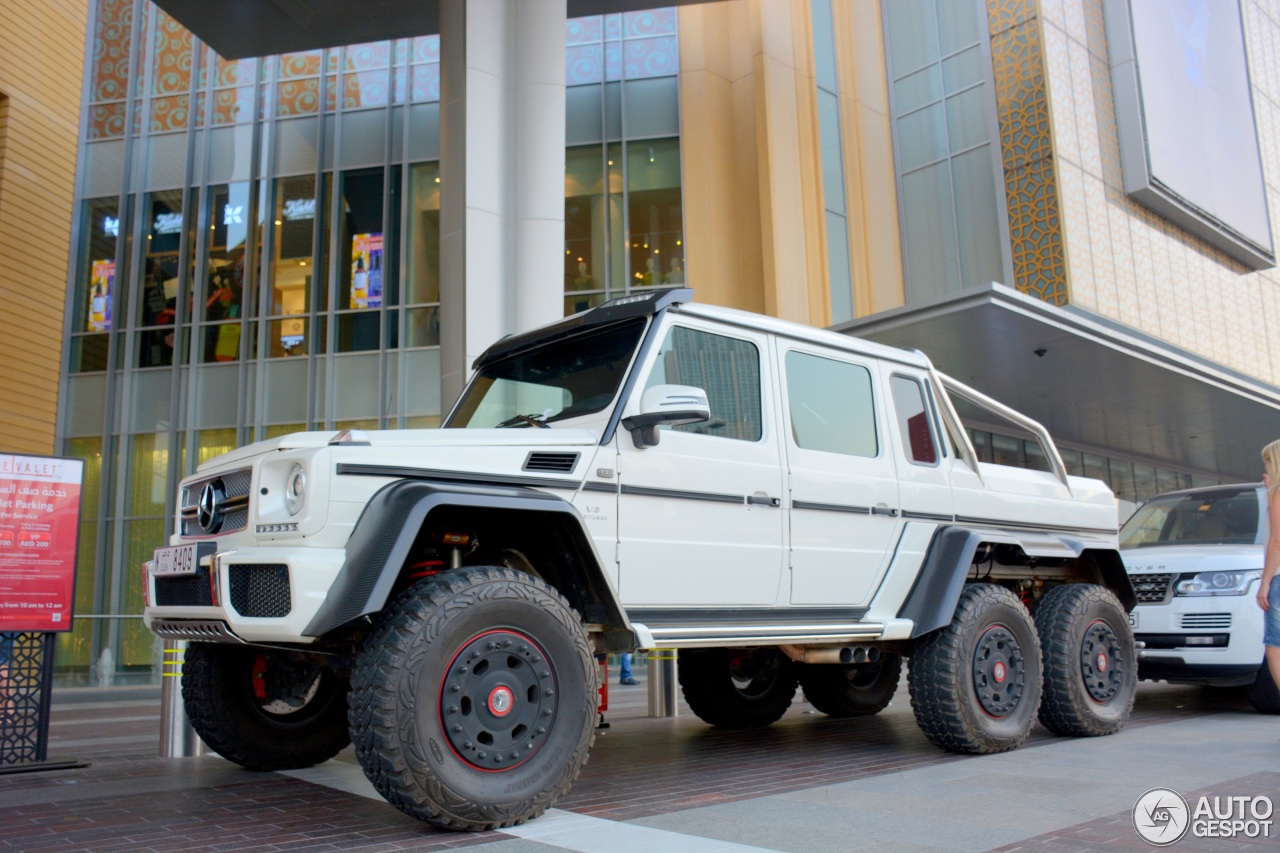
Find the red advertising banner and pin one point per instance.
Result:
(39, 530)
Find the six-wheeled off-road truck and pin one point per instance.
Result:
(786, 506)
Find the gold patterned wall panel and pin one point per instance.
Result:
(1035, 225)
(1123, 261)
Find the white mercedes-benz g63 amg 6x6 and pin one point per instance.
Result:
(785, 506)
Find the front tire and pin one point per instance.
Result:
(1090, 661)
(737, 688)
(264, 709)
(975, 684)
(859, 690)
(473, 701)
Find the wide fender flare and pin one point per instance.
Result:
(931, 603)
(385, 533)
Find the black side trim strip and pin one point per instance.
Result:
(645, 491)
(612, 488)
(1054, 528)
(860, 510)
(665, 617)
(406, 473)
(927, 516)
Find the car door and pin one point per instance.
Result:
(844, 490)
(700, 518)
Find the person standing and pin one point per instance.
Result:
(624, 674)
(1269, 591)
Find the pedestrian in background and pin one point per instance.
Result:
(1269, 592)
(624, 676)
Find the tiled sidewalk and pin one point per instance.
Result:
(697, 783)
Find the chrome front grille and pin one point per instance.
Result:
(1205, 621)
(1152, 589)
(218, 504)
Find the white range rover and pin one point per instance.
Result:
(786, 506)
(1195, 559)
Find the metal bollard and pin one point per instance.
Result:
(177, 738)
(664, 687)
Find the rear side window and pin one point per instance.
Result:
(913, 421)
(830, 405)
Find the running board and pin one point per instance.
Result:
(709, 636)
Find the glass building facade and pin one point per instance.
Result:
(257, 244)
(258, 254)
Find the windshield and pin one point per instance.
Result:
(1219, 517)
(578, 375)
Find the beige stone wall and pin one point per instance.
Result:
(1124, 262)
(752, 184)
(41, 62)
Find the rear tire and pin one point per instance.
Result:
(859, 690)
(737, 688)
(300, 722)
(1263, 694)
(473, 701)
(975, 684)
(1090, 661)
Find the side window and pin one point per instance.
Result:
(830, 405)
(913, 420)
(728, 369)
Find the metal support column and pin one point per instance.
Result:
(664, 687)
(177, 738)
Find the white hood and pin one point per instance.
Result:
(1162, 559)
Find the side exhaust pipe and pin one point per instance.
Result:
(832, 654)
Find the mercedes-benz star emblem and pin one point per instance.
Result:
(210, 509)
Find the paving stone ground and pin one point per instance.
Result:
(808, 784)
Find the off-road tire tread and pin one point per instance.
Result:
(827, 690)
(938, 672)
(710, 694)
(1061, 710)
(407, 628)
(206, 689)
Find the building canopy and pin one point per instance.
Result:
(237, 29)
(1089, 381)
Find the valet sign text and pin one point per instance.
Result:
(39, 525)
(1162, 817)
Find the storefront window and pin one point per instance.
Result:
(291, 264)
(100, 290)
(361, 258)
(158, 299)
(224, 289)
(422, 284)
(624, 228)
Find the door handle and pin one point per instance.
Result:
(884, 510)
(763, 500)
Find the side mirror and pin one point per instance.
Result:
(666, 404)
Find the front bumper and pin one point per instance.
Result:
(254, 595)
(1200, 640)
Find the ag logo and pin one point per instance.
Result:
(1161, 816)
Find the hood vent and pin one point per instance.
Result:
(553, 463)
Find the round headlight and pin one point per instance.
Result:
(295, 490)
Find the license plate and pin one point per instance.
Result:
(180, 559)
(1133, 618)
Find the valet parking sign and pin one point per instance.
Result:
(39, 528)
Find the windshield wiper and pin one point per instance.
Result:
(529, 420)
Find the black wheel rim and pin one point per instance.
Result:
(755, 673)
(498, 700)
(999, 676)
(1100, 660)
